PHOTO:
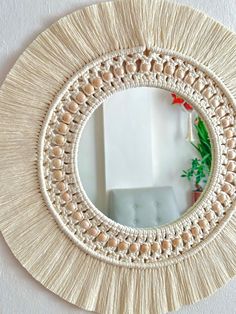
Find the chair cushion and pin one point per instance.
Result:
(143, 207)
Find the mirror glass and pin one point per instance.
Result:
(144, 157)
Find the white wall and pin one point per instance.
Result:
(20, 22)
(127, 134)
(91, 159)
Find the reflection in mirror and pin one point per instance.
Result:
(144, 157)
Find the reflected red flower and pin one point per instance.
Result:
(187, 106)
(180, 101)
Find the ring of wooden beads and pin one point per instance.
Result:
(90, 229)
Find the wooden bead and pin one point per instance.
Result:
(231, 154)
(231, 166)
(59, 140)
(57, 163)
(73, 107)
(144, 248)
(195, 231)
(119, 71)
(155, 247)
(66, 197)
(88, 89)
(158, 67)
(62, 128)
(85, 224)
(203, 223)
(169, 69)
(229, 133)
(79, 216)
(229, 177)
(186, 236)
(71, 206)
(102, 237)
(210, 216)
(131, 68)
(134, 247)
(226, 188)
(215, 103)
(176, 242)
(225, 122)
(208, 93)
(166, 244)
(145, 67)
(107, 76)
(220, 112)
(222, 198)
(231, 143)
(112, 243)
(58, 175)
(97, 82)
(189, 79)
(80, 98)
(61, 186)
(123, 246)
(217, 207)
(66, 117)
(93, 232)
(199, 85)
(180, 73)
(57, 151)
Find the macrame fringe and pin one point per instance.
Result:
(26, 224)
(96, 286)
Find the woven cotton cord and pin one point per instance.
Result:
(115, 230)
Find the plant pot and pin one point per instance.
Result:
(195, 196)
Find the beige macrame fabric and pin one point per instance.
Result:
(51, 227)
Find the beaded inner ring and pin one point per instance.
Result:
(89, 228)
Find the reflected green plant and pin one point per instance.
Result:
(200, 167)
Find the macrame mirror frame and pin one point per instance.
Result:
(46, 218)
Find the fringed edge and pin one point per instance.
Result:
(29, 229)
(51, 258)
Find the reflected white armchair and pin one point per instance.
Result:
(143, 207)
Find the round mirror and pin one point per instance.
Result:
(144, 157)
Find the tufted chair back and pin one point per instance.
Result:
(143, 207)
